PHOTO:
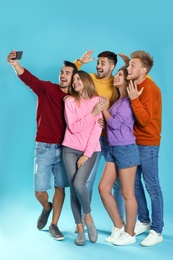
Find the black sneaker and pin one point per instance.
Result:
(55, 232)
(43, 218)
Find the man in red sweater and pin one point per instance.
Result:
(49, 136)
(146, 104)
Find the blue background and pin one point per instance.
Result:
(49, 32)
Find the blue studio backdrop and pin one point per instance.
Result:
(49, 32)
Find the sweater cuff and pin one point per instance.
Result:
(78, 64)
(88, 154)
(134, 101)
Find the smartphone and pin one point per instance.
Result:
(18, 55)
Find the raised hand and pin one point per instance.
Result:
(10, 56)
(86, 57)
(132, 90)
(17, 67)
(125, 58)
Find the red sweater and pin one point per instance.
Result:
(147, 110)
(50, 109)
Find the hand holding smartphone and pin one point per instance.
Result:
(18, 55)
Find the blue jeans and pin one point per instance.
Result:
(116, 187)
(124, 156)
(48, 161)
(77, 179)
(149, 170)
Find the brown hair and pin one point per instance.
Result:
(89, 87)
(145, 58)
(116, 93)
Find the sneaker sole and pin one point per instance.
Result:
(141, 232)
(125, 244)
(79, 244)
(108, 241)
(57, 238)
(145, 245)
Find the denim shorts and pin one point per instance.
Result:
(48, 161)
(124, 156)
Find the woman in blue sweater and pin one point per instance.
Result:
(122, 161)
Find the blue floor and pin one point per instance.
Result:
(20, 239)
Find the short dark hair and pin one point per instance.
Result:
(110, 55)
(70, 64)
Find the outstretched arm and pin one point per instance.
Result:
(35, 84)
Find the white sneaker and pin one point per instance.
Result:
(124, 239)
(141, 227)
(152, 239)
(115, 233)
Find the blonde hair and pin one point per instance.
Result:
(145, 58)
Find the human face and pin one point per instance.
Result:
(104, 68)
(65, 78)
(136, 70)
(77, 84)
(119, 79)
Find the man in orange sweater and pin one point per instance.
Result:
(146, 103)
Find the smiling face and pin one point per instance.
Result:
(136, 70)
(65, 77)
(104, 68)
(77, 84)
(119, 79)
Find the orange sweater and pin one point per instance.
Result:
(148, 114)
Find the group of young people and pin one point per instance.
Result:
(86, 116)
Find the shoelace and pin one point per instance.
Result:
(114, 232)
(123, 236)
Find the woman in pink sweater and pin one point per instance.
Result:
(81, 144)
